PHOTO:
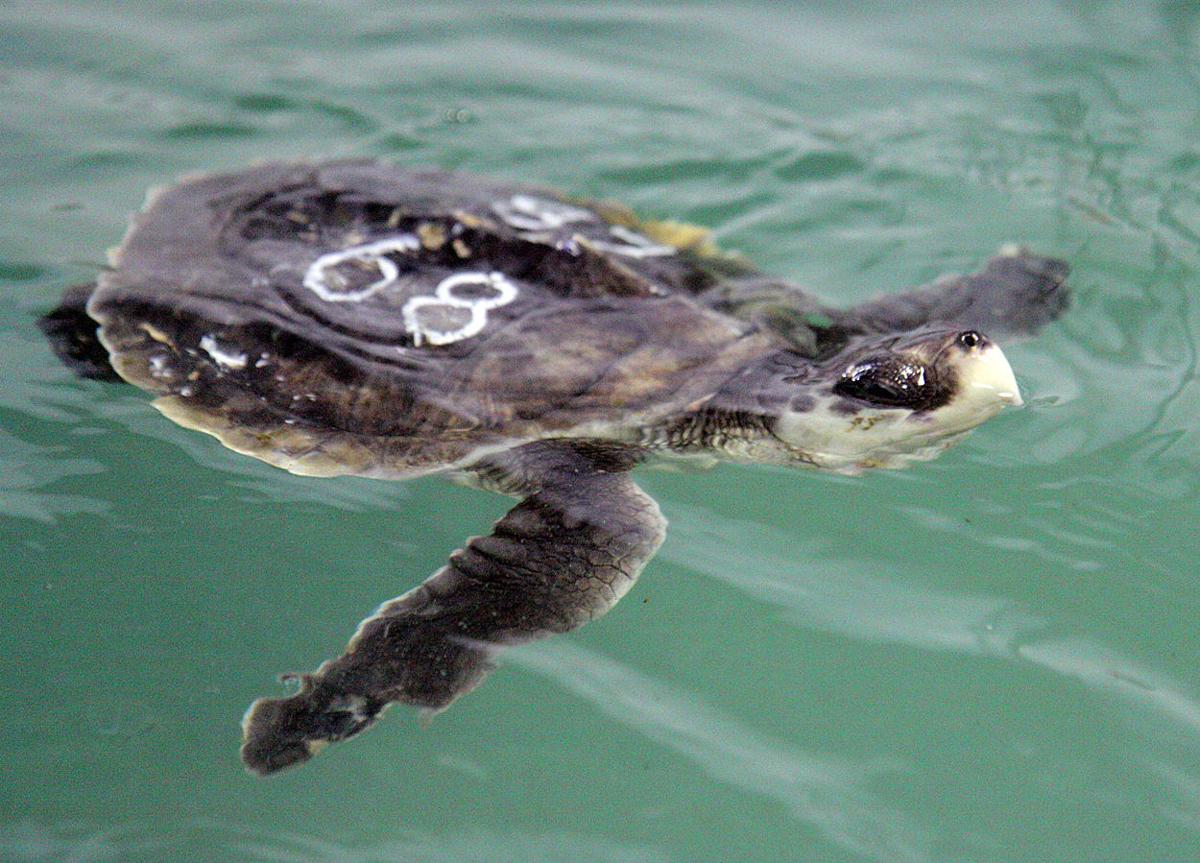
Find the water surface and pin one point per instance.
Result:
(988, 658)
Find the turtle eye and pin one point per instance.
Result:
(970, 339)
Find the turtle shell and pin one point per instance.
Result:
(353, 317)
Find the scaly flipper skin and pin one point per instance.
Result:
(563, 556)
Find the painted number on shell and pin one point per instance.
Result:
(322, 279)
(317, 278)
(443, 296)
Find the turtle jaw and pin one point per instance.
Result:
(988, 376)
(986, 385)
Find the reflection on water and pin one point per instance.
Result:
(830, 796)
(27, 842)
(847, 600)
(876, 608)
(471, 846)
(30, 842)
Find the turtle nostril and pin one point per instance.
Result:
(970, 339)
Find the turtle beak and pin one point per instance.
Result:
(987, 373)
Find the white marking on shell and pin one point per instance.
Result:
(159, 368)
(633, 244)
(529, 213)
(538, 218)
(316, 277)
(443, 296)
(224, 357)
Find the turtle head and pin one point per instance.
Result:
(926, 373)
(886, 400)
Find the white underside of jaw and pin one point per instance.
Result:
(893, 438)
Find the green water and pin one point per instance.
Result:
(992, 657)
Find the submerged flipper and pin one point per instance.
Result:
(1016, 294)
(72, 336)
(563, 556)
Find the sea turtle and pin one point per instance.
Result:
(357, 318)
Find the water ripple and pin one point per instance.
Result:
(830, 593)
(829, 795)
(77, 842)
(1046, 566)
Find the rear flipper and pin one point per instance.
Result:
(1016, 294)
(72, 336)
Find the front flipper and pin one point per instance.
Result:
(561, 557)
(1016, 294)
